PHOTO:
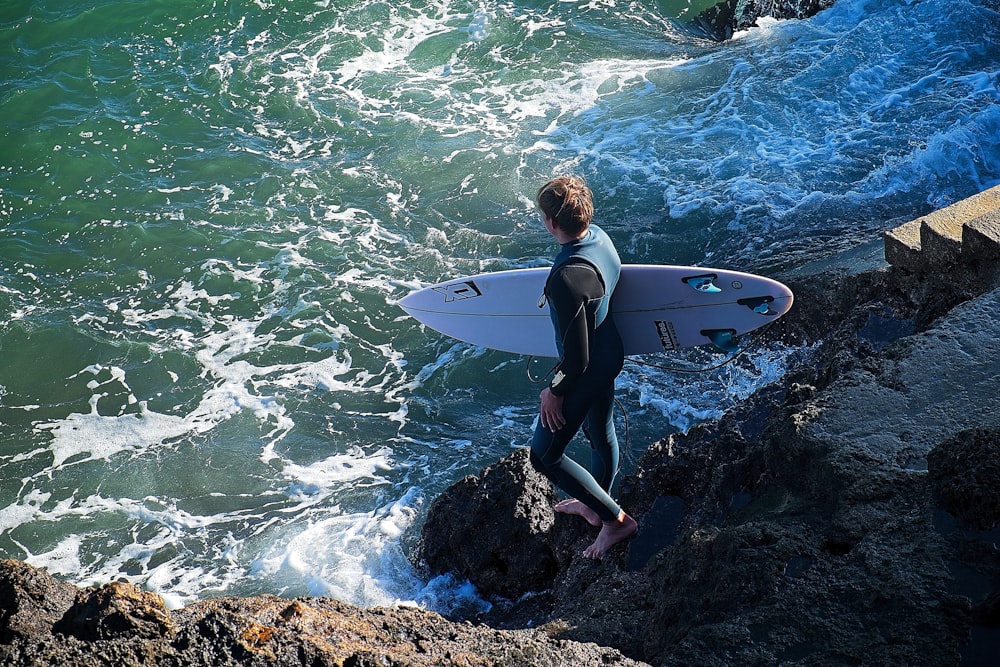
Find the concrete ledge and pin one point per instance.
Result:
(967, 232)
(902, 246)
(981, 237)
(941, 238)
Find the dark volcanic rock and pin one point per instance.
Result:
(723, 19)
(809, 531)
(472, 527)
(965, 472)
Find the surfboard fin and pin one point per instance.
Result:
(705, 283)
(724, 339)
(758, 304)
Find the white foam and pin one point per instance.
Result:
(351, 556)
(401, 37)
(678, 412)
(27, 508)
(479, 27)
(686, 399)
(325, 478)
(101, 437)
(62, 559)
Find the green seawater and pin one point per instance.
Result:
(209, 209)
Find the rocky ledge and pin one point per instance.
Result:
(846, 515)
(47, 622)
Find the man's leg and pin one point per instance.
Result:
(599, 428)
(548, 456)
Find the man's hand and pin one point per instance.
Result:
(551, 412)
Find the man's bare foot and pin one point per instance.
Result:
(612, 532)
(574, 506)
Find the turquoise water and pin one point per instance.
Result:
(209, 211)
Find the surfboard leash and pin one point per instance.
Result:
(752, 343)
(623, 450)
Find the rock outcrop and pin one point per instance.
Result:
(47, 622)
(965, 476)
(719, 21)
(847, 515)
(513, 489)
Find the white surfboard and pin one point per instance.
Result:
(656, 308)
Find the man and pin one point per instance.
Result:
(581, 393)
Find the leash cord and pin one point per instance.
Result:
(624, 452)
(752, 343)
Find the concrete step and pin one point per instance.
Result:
(941, 236)
(981, 237)
(966, 232)
(902, 246)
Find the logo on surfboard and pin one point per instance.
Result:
(668, 337)
(459, 291)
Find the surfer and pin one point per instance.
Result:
(581, 392)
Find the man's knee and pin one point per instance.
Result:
(536, 462)
(540, 464)
(546, 453)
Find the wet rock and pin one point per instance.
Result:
(32, 601)
(965, 472)
(623, 617)
(987, 613)
(114, 610)
(494, 530)
(719, 21)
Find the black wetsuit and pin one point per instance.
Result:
(591, 358)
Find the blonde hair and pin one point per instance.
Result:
(569, 202)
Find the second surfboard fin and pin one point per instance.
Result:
(724, 339)
(759, 304)
(705, 283)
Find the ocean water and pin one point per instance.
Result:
(208, 211)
